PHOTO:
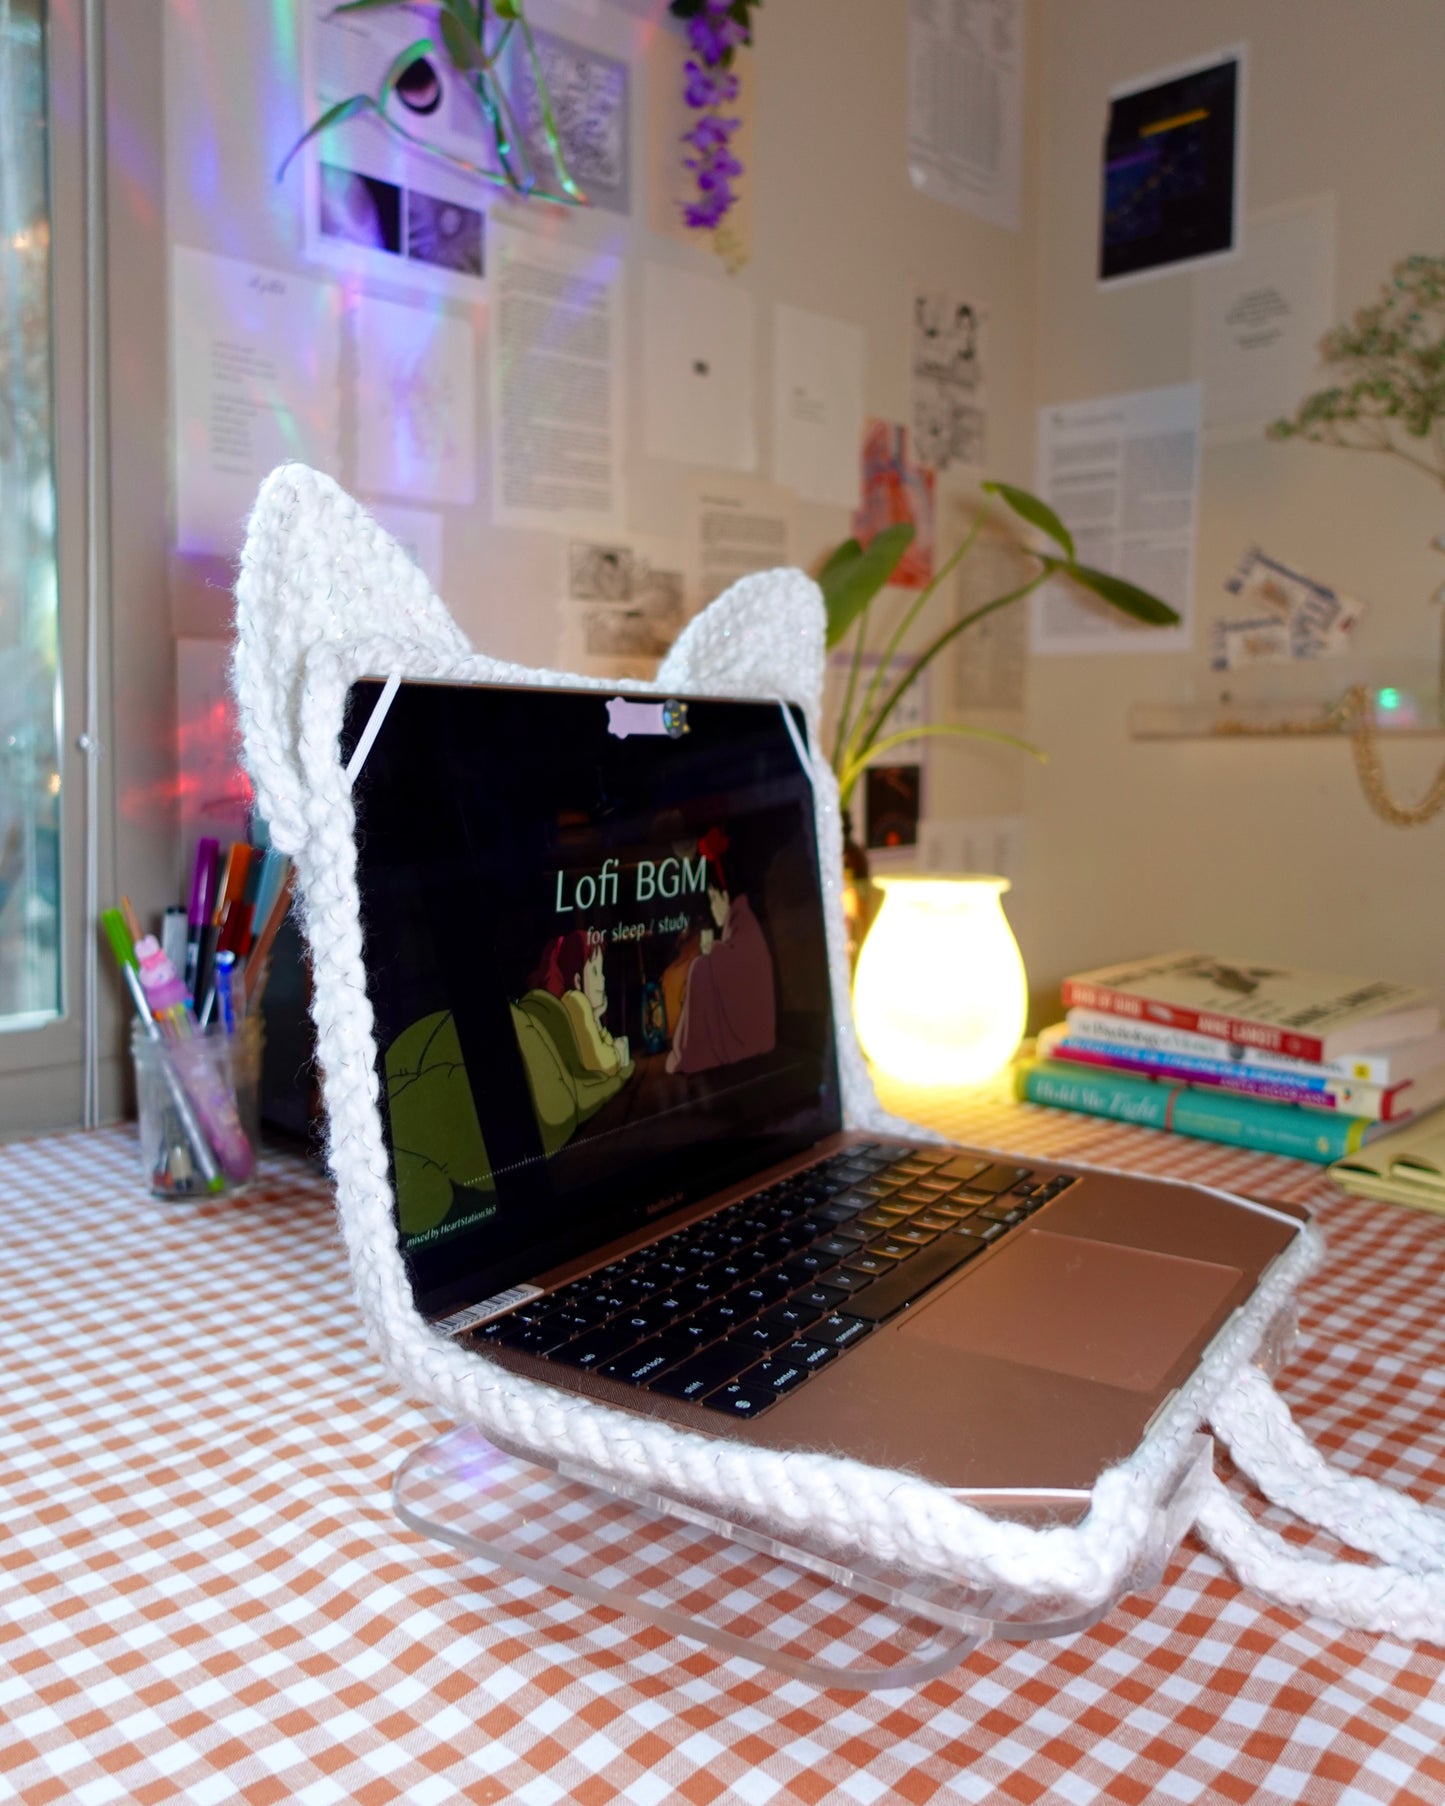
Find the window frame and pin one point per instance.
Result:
(42, 1068)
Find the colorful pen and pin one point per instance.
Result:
(225, 971)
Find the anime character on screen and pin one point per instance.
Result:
(572, 971)
(729, 1011)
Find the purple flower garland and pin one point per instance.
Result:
(715, 29)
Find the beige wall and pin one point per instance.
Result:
(1257, 847)
(838, 229)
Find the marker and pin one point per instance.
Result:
(203, 896)
(231, 915)
(173, 936)
(275, 867)
(255, 974)
(245, 912)
(228, 886)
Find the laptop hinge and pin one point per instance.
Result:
(496, 1306)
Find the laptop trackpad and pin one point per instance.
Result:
(1093, 1310)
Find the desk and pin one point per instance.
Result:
(204, 1595)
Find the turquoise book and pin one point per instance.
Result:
(1242, 1122)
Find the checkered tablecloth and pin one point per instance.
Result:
(204, 1595)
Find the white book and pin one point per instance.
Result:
(1387, 1066)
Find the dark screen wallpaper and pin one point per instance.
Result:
(1169, 177)
(596, 961)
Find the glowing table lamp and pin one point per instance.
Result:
(940, 996)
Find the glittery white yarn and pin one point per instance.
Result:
(326, 596)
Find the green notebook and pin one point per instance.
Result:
(1404, 1167)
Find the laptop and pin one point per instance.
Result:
(594, 946)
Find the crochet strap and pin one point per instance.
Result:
(1404, 1594)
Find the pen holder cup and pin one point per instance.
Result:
(199, 1102)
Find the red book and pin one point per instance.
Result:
(1307, 1015)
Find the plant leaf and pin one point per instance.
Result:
(853, 769)
(403, 61)
(337, 115)
(1036, 512)
(365, 6)
(837, 562)
(507, 9)
(841, 554)
(1128, 598)
(461, 46)
(849, 589)
(954, 729)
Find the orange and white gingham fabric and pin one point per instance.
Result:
(204, 1595)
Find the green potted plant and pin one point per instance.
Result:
(475, 34)
(854, 576)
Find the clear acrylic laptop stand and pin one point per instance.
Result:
(728, 1584)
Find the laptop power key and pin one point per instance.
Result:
(888, 1294)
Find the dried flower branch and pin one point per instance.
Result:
(1391, 357)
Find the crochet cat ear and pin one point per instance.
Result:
(763, 637)
(316, 568)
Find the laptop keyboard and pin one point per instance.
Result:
(741, 1308)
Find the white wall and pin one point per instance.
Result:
(1258, 847)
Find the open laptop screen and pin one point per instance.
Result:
(593, 939)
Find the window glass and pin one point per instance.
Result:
(29, 606)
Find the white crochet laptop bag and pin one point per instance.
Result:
(326, 596)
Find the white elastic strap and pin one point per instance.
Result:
(797, 740)
(373, 727)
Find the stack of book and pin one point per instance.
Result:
(1290, 1062)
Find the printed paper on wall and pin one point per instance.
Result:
(1258, 320)
(950, 424)
(965, 106)
(817, 405)
(1122, 472)
(416, 433)
(555, 345)
(697, 352)
(254, 382)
